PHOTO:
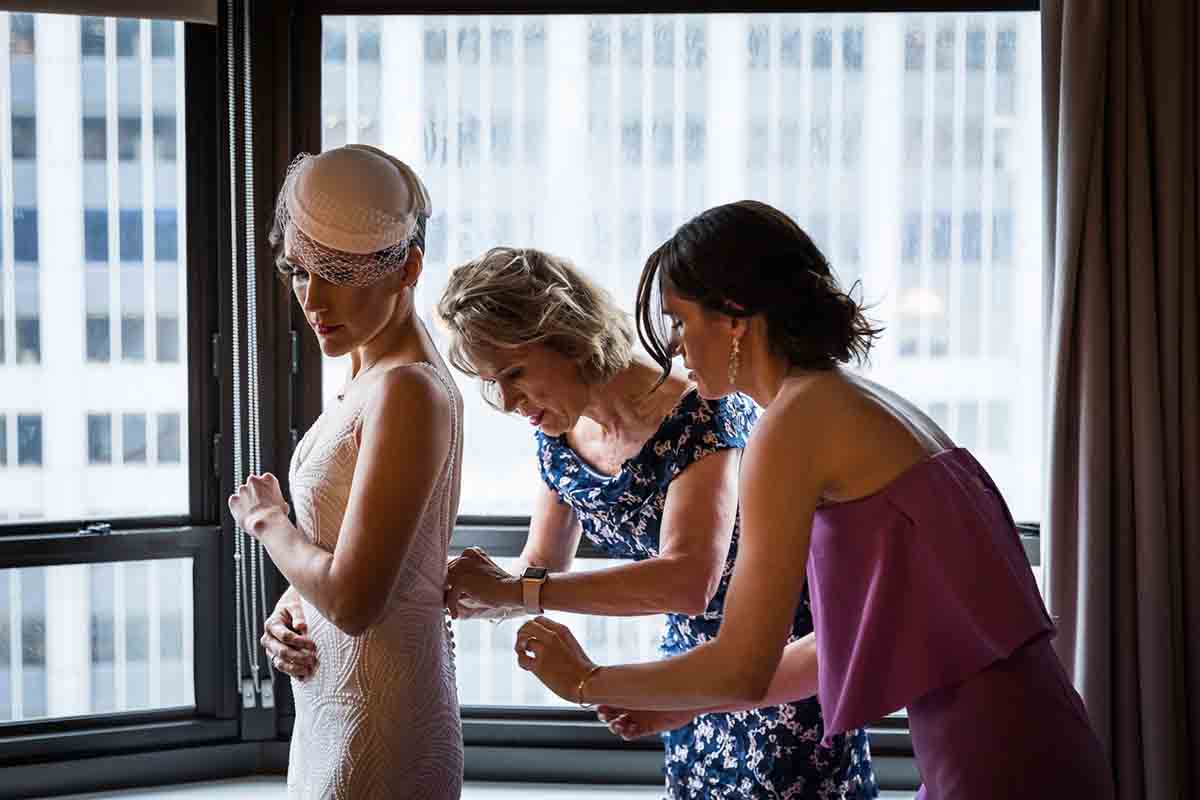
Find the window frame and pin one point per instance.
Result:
(507, 743)
(163, 746)
(27, 746)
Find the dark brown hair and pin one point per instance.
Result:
(748, 258)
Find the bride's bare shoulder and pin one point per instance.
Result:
(408, 394)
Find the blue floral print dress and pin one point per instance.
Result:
(772, 752)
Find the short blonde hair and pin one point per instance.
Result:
(512, 297)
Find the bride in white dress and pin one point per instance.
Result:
(375, 483)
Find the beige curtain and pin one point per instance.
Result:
(1122, 532)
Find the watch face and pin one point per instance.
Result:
(534, 574)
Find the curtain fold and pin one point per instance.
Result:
(1122, 526)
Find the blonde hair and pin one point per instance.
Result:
(512, 297)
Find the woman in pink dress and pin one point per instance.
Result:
(921, 594)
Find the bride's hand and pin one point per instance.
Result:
(549, 650)
(630, 725)
(475, 584)
(255, 500)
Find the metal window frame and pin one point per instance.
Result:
(505, 743)
(27, 748)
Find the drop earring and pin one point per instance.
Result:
(735, 360)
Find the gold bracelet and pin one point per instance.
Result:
(583, 683)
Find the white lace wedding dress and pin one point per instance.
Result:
(379, 717)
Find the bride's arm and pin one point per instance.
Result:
(405, 439)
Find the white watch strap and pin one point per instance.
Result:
(531, 592)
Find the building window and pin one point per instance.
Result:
(333, 44)
(162, 39)
(99, 442)
(976, 49)
(114, 313)
(941, 236)
(1002, 236)
(972, 237)
(91, 36)
(1006, 51)
(368, 40)
(29, 440)
(914, 50)
(95, 139)
(25, 234)
(99, 347)
(28, 316)
(129, 138)
(133, 336)
(167, 340)
(133, 438)
(24, 136)
(164, 137)
(95, 234)
(944, 51)
(96, 294)
(128, 38)
(169, 449)
(131, 234)
(166, 234)
(21, 37)
(852, 49)
(822, 49)
(3, 440)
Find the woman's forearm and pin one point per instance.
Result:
(306, 566)
(654, 586)
(706, 677)
(795, 679)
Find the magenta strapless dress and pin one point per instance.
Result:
(922, 598)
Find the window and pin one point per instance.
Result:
(25, 234)
(24, 133)
(131, 234)
(166, 292)
(29, 314)
(88, 626)
(128, 315)
(129, 138)
(98, 343)
(99, 441)
(136, 626)
(811, 151)
(91, 35)
(95, 139)
(128, 37)
(166, 234)
(162, 39)
(164, 137)
(95, 234)
(169, 439)
(939, 237)
(21, 34)
(29, 440)
(133, 438)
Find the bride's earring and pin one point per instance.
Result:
(735, 360)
